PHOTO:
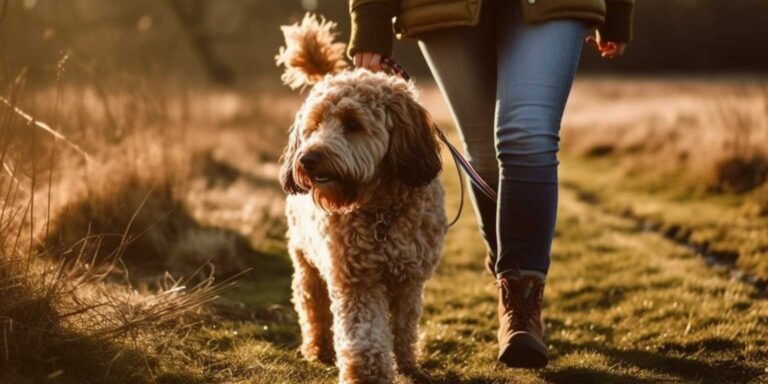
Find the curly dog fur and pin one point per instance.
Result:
(365, 211)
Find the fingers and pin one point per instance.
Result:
(607, 49)
(614, 50)
(375, 63)
(368, 60)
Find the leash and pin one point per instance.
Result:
(459, 160)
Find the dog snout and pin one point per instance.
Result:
(310, 160)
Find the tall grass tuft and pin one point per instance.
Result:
(72, 311)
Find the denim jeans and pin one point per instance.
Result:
(507, 83)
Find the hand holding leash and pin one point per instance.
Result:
(368, 60)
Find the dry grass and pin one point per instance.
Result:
(79, 233)
(714, 133)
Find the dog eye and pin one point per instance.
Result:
(350, 125)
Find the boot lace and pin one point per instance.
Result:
(523, 307)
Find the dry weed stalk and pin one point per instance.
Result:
(53, 303)
(45, 127)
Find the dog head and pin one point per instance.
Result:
(357, 130)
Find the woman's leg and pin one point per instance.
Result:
(536, 67)
(463, 61)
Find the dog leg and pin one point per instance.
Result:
(405, 306)
(362, 335)
(310, 297)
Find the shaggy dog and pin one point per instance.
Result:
(365, 211)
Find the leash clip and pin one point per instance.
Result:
(381, 226)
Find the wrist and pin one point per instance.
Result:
(618, 24)
(371, 29)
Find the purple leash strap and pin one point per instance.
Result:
(462, 162)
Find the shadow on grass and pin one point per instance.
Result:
(453, 379)
(94, 361)
(569, 375)
(581, 375)
(686, 369)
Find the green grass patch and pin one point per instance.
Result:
(726, 224)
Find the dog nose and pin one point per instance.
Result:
(310, 160)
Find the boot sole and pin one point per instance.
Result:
(524, 351)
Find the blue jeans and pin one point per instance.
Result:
(507, 83)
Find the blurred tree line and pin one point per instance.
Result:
(236, 40)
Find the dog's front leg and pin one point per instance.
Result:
(361, 334)
(310, 297)
(405, 306)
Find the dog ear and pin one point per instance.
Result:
(414, 154)
(287, 178)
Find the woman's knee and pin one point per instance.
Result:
(528, 123)
(528, 142)
(527, 149)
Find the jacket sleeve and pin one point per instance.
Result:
(618, 21)
(372, 26)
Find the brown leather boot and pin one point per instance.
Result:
(521, 331)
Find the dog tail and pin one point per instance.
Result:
(310, 52)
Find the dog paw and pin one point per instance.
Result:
(319, 354)
(327, 357)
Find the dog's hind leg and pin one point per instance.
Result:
(405, 306)
(310, 297)
(362, 336)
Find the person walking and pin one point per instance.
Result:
(505, 68)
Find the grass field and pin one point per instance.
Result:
(631, 297)
(622, 306)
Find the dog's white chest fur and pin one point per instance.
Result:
(344, 245)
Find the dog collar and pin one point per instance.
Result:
(382, 224)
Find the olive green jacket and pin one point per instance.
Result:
(372, 29)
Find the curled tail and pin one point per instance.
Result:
(310, 52)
